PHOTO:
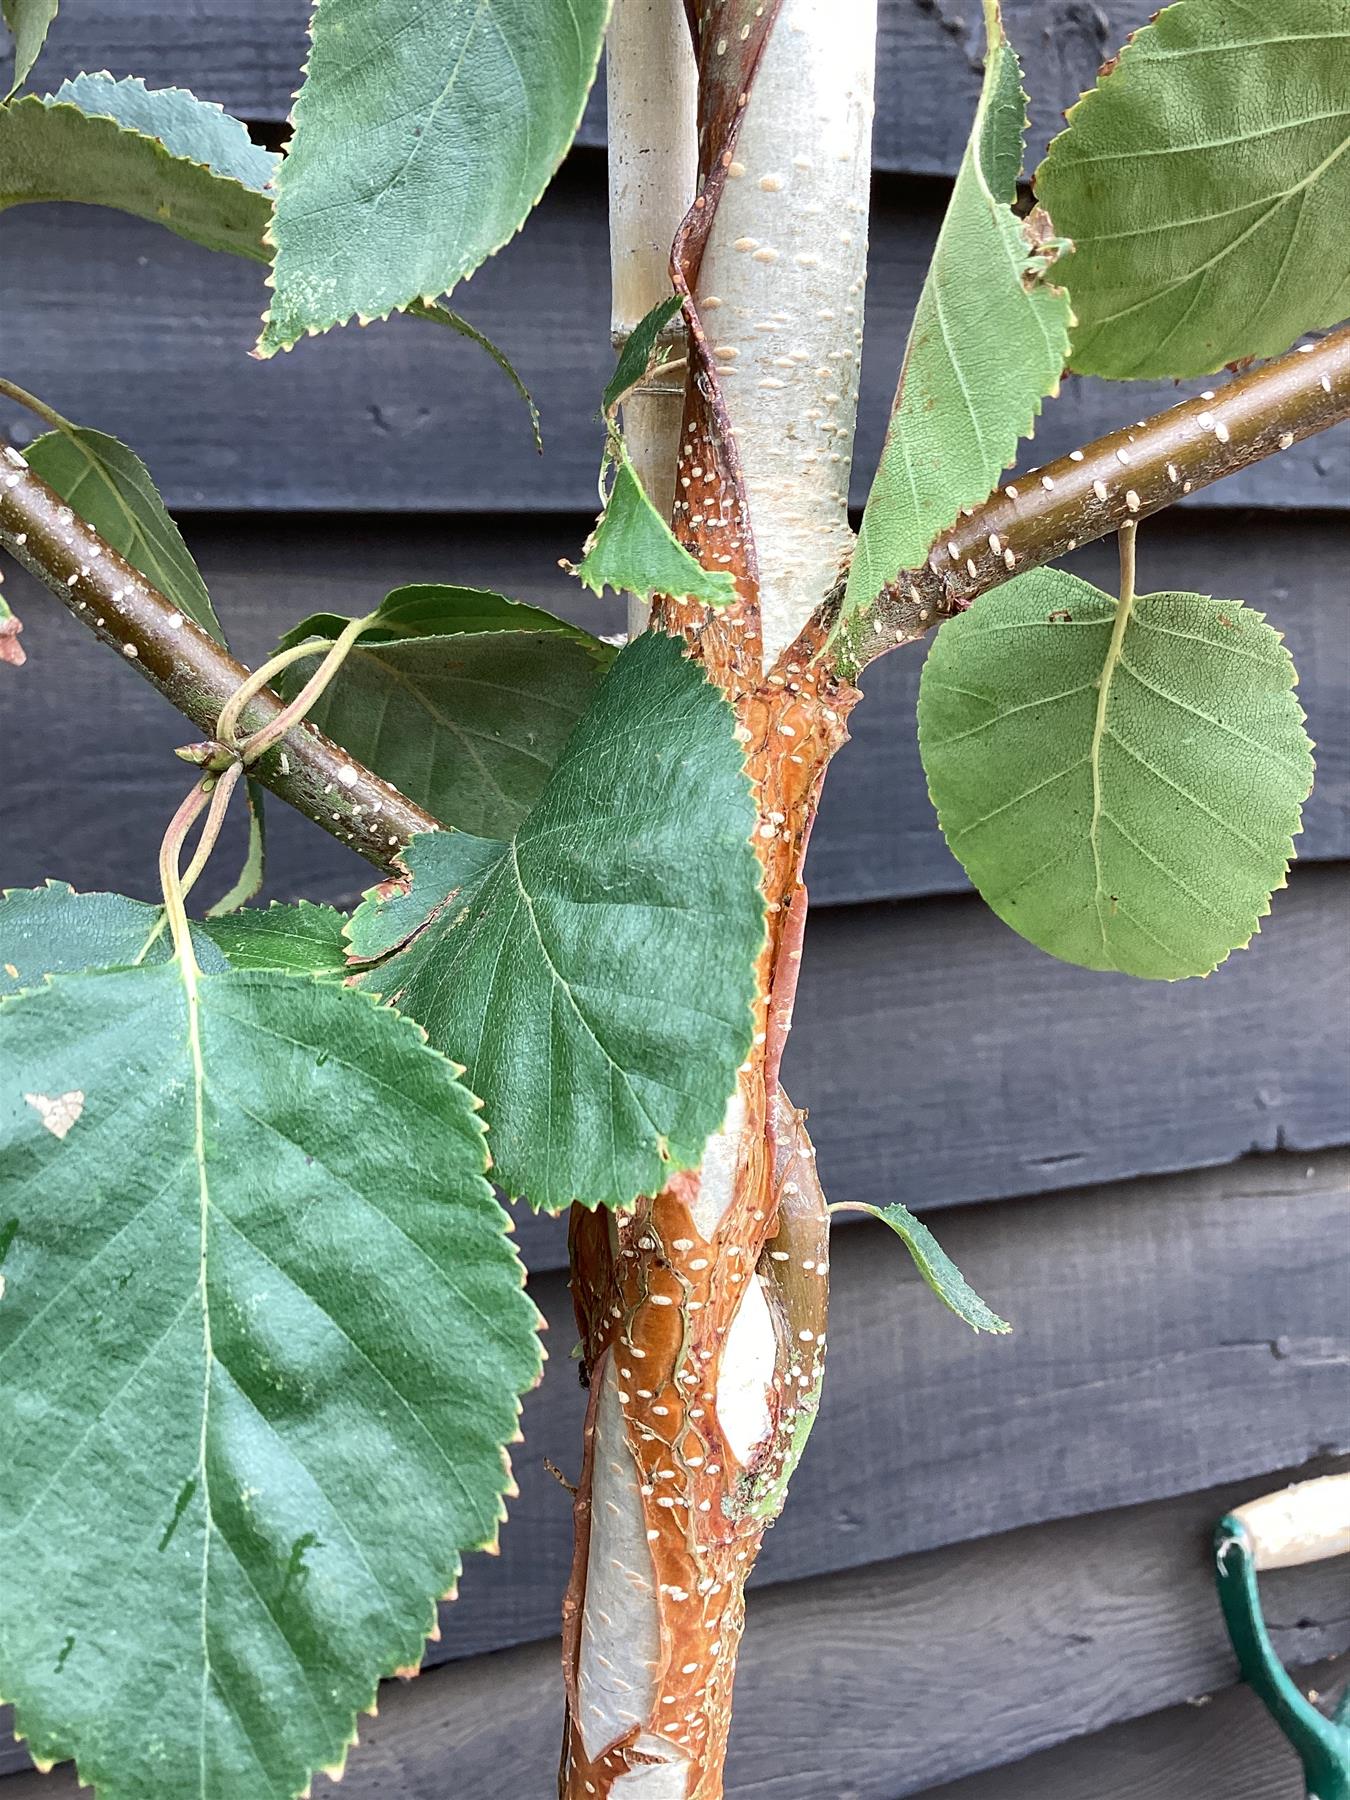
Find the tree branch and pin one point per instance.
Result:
(1092, 492)
(192, 670)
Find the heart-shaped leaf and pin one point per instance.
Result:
(988, 342)
(596, 973)
(261, 1346)
(1123, 788)
(1205, 182)
(461, 698)
(424, 134)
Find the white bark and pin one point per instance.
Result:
(781, 294)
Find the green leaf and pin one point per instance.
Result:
(1205, 182)
(461, 698)
(52, 930)
(301, 939)
(52, 150)
(442, 315)
(197, 130)
(639, 351)
(596, 973)
(111, 489)
(29, 20)
(936, 1267)
(1124, 798)
(634, 551)
(261, 1346)
(988, 342)
(425, 132)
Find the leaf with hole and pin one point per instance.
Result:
(461, 698)
(257, 1204)
(160, 154)
(1123, 790)
(29, 21)
(596, 973)
(425, 132)
(634, 551)
(988, 342)
(1205, 182)
(936, 1267)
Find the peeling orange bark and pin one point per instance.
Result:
(657, 1299)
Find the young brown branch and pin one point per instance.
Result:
(192, 670)
(1120, 478)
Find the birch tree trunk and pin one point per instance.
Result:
(703, 1311)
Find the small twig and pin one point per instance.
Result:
(1121, 478)
(559, 1477)
(193, 671)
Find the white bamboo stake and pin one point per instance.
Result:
(652, 88)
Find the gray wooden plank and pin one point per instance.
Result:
(1220, 1747)
(942, 1056)
(876, 838)
(247, 55)
(872, 1685)
(127, 328)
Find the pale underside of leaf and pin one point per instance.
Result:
(596, 973)
(1125, 799)
(1205, 183)
(988, 342)
(301, 1356)
(424, 134)
(51, 151)
(196, 130)
(29, 21)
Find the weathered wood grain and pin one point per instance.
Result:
(876, 838)
(247, 54)
(873, 1685)
(940, 1055)
(1224, 1747)
(125, 327)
